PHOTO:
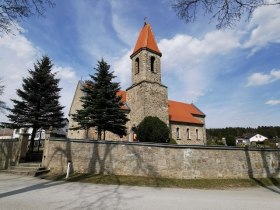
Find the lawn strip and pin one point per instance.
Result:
(165, 182)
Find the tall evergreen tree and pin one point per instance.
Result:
(101, 106)
(38, 106)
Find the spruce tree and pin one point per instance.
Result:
(101, 106)
(38, 105)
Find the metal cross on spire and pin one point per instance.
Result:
(145, 20)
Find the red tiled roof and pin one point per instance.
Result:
(182, 112)
(178, 111)
(123, 94)
(146, 39)
(123, 99)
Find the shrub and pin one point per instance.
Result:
(172, 141)
(230, 140)
(269, 144)
(152, 129)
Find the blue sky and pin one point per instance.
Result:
(232, 75)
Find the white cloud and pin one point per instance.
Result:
(126, 32)
(257, 79)
(95, 31)
(263, 28)
(214, 42)
(17, 55)
(122, 69)
(220, 41)
(66, 73)
(276, 74)
(273, 102)
(68, 82)
(189, 60)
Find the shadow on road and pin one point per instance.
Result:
(276, 184)
(31, 188)
(102, 161)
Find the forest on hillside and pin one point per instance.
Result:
(218, 133)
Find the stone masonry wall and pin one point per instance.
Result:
(147, 99)
(76, 105)
(9, 152)
(155, 160)
(183, 137)
(145, 72)
(108, 135)
(202, 120)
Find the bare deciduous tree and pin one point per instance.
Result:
(226, 12)
(12, 11)
(2, 103)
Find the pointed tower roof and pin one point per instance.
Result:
(146, 40)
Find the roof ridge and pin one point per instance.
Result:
(180, 102)
(198, 109)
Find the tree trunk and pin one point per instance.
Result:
(99, 132)
(39, 141)
(34, 130)
(87, 133)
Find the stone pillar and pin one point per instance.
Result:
(46, 147)
(23, 145)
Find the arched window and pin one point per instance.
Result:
(177, 133)
(196, 130)
(153, 64)
(137, 66)
(188, 133)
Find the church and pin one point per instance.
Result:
(147, 96)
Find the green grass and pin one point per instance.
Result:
(164, 182)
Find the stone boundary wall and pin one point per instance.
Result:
(160, 160)
(9, 152)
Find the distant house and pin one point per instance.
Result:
(257, 138)
(40, 134)
(250, 138)
(6, 133)
(17, 132)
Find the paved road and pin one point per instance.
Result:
(21, 192)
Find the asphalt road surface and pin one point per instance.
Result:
(21, 192)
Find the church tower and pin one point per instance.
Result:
(146, 96)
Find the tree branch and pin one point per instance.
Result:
(225, 12)
(12, 11)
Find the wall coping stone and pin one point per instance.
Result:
(9, 140)
(145, 81)
(165, 145)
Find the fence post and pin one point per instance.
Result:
(23, 145)
(46, 146)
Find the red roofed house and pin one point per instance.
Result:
(147, 96)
